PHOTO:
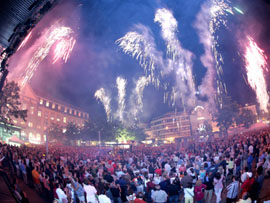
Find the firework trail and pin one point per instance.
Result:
(101, 95)
(255, 66)
(25, 40)
(142, 48)
(207, 24)
(137, 97)
(121, 86)
(56, 33)
(182, 59)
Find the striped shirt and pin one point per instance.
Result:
(232, 190)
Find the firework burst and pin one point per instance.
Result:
(56, 33)
(255, 66)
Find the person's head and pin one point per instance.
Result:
(189, 185)
(217, 176)
(260, 170)
(245, 196)
(140, 195)
(246, 169)
(157, 187)
(199, 182)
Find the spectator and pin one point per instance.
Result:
(232, 190)
(159, 196)
(199, 191)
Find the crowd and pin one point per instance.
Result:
(235, 169)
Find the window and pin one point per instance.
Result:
(75, 113)
(14, 121)
(22, 123)
(65, 110)
(70, 111)
(58, 119)
(30, 124)
(59, 108)
(32, 110)
(64, 119)
(53, 105)
(41, 101)
(79, 114)
(52, 118)
(39, 113)
(44, 137)
(47, 104)
(64, 130)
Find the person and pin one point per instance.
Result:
(264, 195)
(159, 196)
(173, 192)
(116, 192)
(90, 191)
(245, 198)
(208, 192)
(79, 191)
(246, 186)
(62, 197)
(139, 198)
(199, 191)
(102, 198)
(189, 193)
(232, 190)
(218, 185)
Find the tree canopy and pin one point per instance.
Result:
(10, 105)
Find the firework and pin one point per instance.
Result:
(255, 65)
(54, 34)
(142, 48)
(238, 10)
(181, 58)
(101, 95)
(121, 86)
(25, 40)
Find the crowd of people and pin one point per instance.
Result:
(232, 169)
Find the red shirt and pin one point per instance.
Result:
(137, 200)
(158, 171)
(247, 185)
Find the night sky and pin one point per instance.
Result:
(96, 60)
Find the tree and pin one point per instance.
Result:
(246, 118)
(55, 131)
(10, 104)
(72, 131)
(227, 114)
(123, 135)
(138, 133)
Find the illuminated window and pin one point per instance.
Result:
(38, 126)
(53, 105)
(52, 118)
(22, 123)
(58, 119)
(44, 137)
(79, 114)
(65, 110)
(32, 109)
(24, 106)
(41, 101)
(30, 124)
(70, 111)
(39, 113)
(75, 113)
(47, 104)
(14, 121)
(64, 130)
(64, 119)
(59, 107)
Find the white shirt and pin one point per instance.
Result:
(104, 199)
(189, 192)
(61, 195)
(159, 196)
(90, 193)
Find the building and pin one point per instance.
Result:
(42, 112)
(170, 127)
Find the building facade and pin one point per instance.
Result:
(170, 127)
(42, 112)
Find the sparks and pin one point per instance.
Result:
(255, 66)
(101, 95)
(25, 40)
(238, 10)
(121, 86)
(56, 33)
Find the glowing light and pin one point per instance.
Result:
(238, 10)
(54, 34)
(25, 40)
(255, 66)
(121, 86)
(101, 95)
